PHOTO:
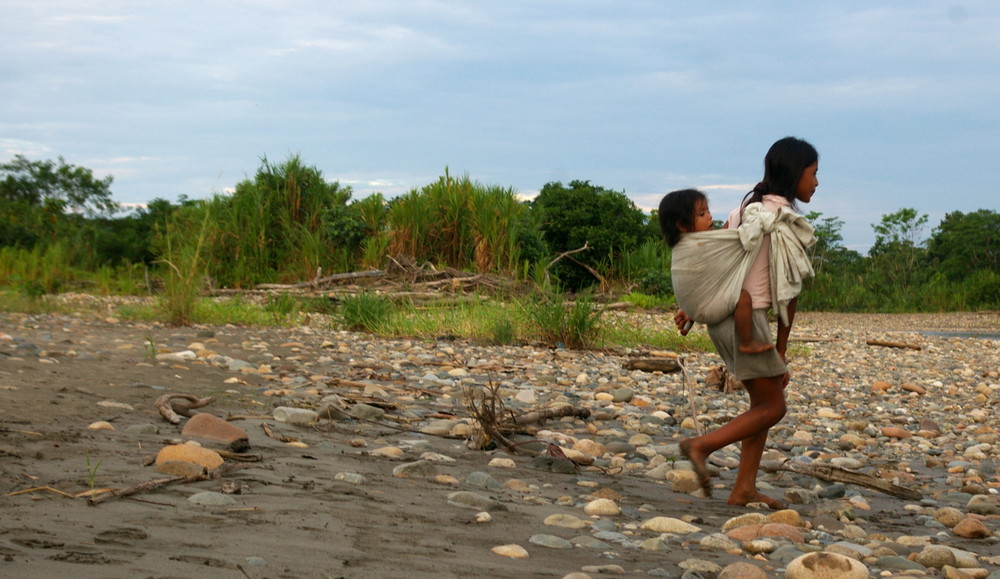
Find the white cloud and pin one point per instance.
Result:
(185, 97)
(12, 147)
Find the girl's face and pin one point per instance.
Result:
(807, 183)
(702, 219)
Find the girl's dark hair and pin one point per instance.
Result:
(677, 208)
(783, 166)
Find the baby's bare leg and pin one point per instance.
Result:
(743, 316)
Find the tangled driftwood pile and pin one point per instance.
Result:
(403, 278)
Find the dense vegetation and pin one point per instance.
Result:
(60, 230)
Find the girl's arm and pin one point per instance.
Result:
(781, 344)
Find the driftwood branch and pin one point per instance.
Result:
(837, 474)
(593, 272)
(893, 344)
(162, 482)
(691, 396)
(497, 423)
(172, 407)
(565, 254)
(321, 281)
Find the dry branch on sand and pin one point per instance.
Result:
(832, 473)
(497, 423)
(162, 482)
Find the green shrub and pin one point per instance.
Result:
(502, 331)
(182, 255)
(365, 311)
(574, 326)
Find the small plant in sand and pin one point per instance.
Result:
(150, 347)
(92, 471)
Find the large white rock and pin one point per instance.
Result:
(824, 565)
(669, 525)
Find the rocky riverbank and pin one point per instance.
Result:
(384, 482)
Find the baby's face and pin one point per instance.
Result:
(702, 217)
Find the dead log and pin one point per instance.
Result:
(653, 365)
(172, 408)
(893, 344)
(320, 281)
(838, 474)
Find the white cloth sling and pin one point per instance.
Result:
(708, 267)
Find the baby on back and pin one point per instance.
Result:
(686, 211)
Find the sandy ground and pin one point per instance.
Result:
(293, 517)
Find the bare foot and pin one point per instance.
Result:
(698, 464)
(743, 501)
(755, 347)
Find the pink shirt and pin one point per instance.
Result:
(758, 280)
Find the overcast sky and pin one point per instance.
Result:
(901, 98)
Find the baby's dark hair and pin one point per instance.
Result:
(784, 164)
(677, 209)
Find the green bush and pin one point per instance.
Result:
(982, 289)
(366, 311)
(574, 326)
(607, 222)
(502, 331)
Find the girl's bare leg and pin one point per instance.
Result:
(767, 407)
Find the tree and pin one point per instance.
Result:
(965, 243)
(828, 253)
(899, 231)
(898, 259)
(66, 187)
(41, 201)
(606, 221)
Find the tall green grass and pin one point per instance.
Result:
(574, 326)
(646, 268)
(366, 311)
(37, 271)
(458, 223)
(184, 268)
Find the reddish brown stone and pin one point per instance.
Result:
(895, 432)
(881, 386)
(209, 427)
(971, 528)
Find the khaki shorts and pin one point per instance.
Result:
(747, 366)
